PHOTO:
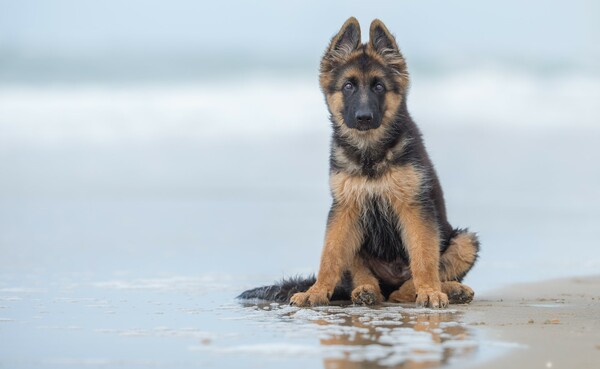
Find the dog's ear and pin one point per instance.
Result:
(347, 39)
(380, 39)
(383, 43)
(342, 44)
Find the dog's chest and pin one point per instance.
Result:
(381, 230)
(397, 185)
(379, 202)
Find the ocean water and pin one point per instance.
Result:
(132, 214)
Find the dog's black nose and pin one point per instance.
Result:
(364, 116)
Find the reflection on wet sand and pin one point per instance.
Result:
(390, 336)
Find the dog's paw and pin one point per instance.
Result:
(309, 298)
(430, 298)
(366, 295)
(458, 293)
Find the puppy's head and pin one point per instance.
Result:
(364, 84)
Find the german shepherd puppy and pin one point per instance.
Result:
(387, 234)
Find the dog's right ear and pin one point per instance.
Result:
(342, 44)
(347, 39)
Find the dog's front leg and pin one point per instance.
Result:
(342, 240)
(421, 238)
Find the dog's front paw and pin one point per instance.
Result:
(427, 297)
(366, 295)
(309, 298)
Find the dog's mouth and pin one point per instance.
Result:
(362, 126)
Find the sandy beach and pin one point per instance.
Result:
(557, 322)
(183, 322)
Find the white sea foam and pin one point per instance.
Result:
(501, 97)
(108, 115)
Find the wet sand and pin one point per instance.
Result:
(193, 321)
(555, 323)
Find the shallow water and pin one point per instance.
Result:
(74, 321)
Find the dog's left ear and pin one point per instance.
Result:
(381, 40)
(383, 43)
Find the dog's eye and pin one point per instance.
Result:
(378, 88)
(348, 86)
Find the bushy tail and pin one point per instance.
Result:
(287, 287)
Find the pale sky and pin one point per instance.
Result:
(292, 28)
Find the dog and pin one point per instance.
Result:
(387, 235)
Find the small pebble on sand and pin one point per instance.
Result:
(552, 321)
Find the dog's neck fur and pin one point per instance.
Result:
(372, 157)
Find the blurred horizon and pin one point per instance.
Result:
(69, 41)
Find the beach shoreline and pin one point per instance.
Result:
(552, 324)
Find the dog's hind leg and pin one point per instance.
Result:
(459, 257)
(366, 286)
(455, 263)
